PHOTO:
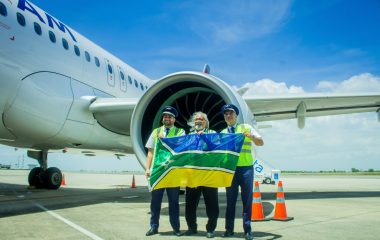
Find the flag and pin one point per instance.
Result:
(195, 160)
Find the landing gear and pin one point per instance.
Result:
(36, 177)
(53, 178)
(43, 177)
(267, 181)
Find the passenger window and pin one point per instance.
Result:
(52, 37)
(37, 28)
(142, 86)
(146, 87)
(136, 84)
(65, 44)
(76, 50)
(110, 69)
(21, 19)
(122, 75)
(3, 9)
(87, 55)
(129, 80)
(97, 63)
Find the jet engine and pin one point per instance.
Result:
(188, 92)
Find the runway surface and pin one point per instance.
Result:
(104, 206)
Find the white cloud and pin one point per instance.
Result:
(268, 86)
(236, 21)
(364, 82)
(332, 142)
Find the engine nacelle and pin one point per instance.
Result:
(188, 92)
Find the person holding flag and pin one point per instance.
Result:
(169, 114)
(243, 176)
(200, 125)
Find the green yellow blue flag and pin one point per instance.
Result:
(195, 160)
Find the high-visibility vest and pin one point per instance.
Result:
(206, 130)
(245, 158)
(174, 132)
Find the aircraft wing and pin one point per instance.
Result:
(269, 108)
(114, 114)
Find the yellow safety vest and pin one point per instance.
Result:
(245, 158)
(206, 130)
(174, 132)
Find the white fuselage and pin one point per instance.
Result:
(46, 89)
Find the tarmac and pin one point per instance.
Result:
(104, 206)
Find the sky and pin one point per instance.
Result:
(272, 47)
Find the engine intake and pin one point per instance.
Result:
(188, 92)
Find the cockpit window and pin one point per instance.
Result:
(3, 9)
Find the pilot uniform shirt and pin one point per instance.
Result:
(251, 130)
(150, 142)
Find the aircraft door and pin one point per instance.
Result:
(122, 78)
(110, 73)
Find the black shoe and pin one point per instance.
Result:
(151, 232)
(177, 233)
(210, 235)
(228, 233)
(249, 236)
(191, 232)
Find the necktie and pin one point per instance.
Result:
(167, 132)
(232, 130)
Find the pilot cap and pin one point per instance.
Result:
(170, 110)
(230, 107)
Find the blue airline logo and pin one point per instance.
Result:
(25, 5)
(258, 167)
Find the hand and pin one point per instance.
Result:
(147, 173)
(200, 132)
(161, 135)
(248, 134)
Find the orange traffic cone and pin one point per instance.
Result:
(257, 206)
(63, 182)
(133, 182)
(280, 210)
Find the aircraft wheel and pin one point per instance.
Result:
(36, 177)
(53, 178)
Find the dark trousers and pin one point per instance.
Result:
(244, 178)
(155, 207)
(210, 196)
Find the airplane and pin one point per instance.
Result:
(60, 91)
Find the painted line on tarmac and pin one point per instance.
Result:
(71, 224)
(129, 197)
